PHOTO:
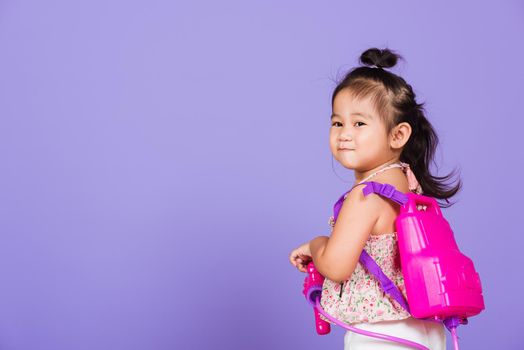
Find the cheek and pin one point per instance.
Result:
(332, 140)
(374, 137)
(371, 144)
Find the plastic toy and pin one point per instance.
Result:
(441, 282)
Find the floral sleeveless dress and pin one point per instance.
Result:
(361, 298)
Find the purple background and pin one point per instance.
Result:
(161, 159)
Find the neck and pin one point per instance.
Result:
(361, 175)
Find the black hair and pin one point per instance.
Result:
(395, 102)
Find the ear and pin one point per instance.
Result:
(400, 135)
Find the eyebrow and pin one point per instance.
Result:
(356, 113)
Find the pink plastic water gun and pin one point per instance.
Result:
(313, 291)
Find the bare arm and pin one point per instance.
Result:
(336, 257)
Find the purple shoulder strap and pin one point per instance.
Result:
(388, 191)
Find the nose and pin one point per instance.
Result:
(344, 136)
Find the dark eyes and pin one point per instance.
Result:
(334, 123)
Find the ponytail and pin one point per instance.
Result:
(419, 152)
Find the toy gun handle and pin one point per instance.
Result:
(313, 291)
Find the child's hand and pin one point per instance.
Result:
(300, 257)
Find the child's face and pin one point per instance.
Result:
(358, 142)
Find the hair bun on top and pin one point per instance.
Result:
(380, 58)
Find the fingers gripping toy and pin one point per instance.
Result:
(441, 282)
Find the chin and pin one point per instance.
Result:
(347, 165)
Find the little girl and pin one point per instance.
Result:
(380, 132)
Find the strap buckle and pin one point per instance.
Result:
(387, 190)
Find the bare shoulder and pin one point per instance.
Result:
(388, 210)
(359, 205)
(375, 208)
(396, 178)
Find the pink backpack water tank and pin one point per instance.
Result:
(440, 281)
